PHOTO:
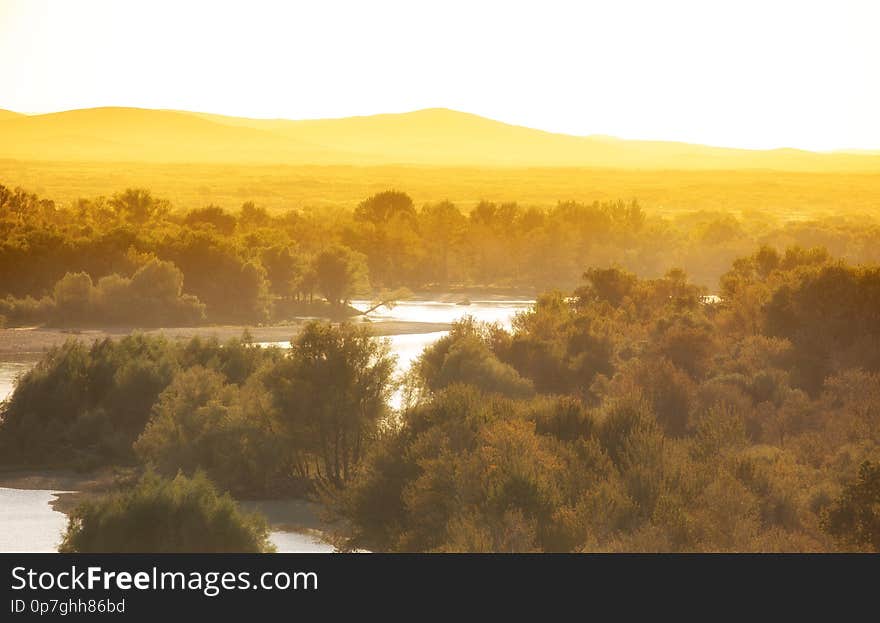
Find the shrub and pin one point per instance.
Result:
(463, 356)
(330, 394)
(199, 423)
(160, 516)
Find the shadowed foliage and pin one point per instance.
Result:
(165, 516)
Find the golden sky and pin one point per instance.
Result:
(742, 73)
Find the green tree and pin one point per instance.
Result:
(854, 517)
(137, 206)
(331, 393)
(607, 284)
(212, 215)
(200, 423)
(339, 272)
(162, 516)
(73, 296)
(465, 357)
(386, 206)
(152, 297)
(443, 226)
(284, 269)
(85, 405)
(186, 428)
(387, 235)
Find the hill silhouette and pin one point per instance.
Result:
(426, 137)
(8, 114)
(142, 135)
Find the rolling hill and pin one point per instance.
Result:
(141, 135)
(8, 114)
(425, 137)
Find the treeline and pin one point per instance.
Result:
(628, 414)
(153, 296)
(252, 266)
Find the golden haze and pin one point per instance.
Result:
(427, 137)
(195, 158)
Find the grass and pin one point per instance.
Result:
(786, 195)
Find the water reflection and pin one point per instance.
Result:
(408, 348)
(9, 371)
(27, 521)
(29, 524)
(435, 311)
(299, 543)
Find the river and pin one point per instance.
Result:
(28, 523)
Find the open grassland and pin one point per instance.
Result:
(787, 195)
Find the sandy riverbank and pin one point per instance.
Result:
(58, 480)
(36, 340)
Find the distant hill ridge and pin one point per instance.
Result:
(8, 114)
(435, 136)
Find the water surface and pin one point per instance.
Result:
(299, 543)
(501, 312)
(9, 371)
(28, 523)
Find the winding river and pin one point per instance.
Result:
(28, 523)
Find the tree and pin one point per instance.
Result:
(73, 299)
(152, 297)
(84, 406)
(385, 206)
(137, 205)
(212, 215)
(284, 269)
(464, 357)
(252, 216)
(161, 516)
(686, 340)
(233, 288)
(200, 423)
(607, 284)
(339, 272)
(829, 313)
(387, 235)
(669, 391)
(558, 348)
(187, 421)
(854, 517)
(443, 226)
(331, 393)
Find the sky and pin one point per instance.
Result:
(741, 73)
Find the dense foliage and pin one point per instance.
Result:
(663, 421)
(151, 297)
(854, 518)
(257, 421)
(161, 516)
(85, 405)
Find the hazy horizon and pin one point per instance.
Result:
(743, 75)
(595, 136)
(433, 137)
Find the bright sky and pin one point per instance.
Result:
(747, 73)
